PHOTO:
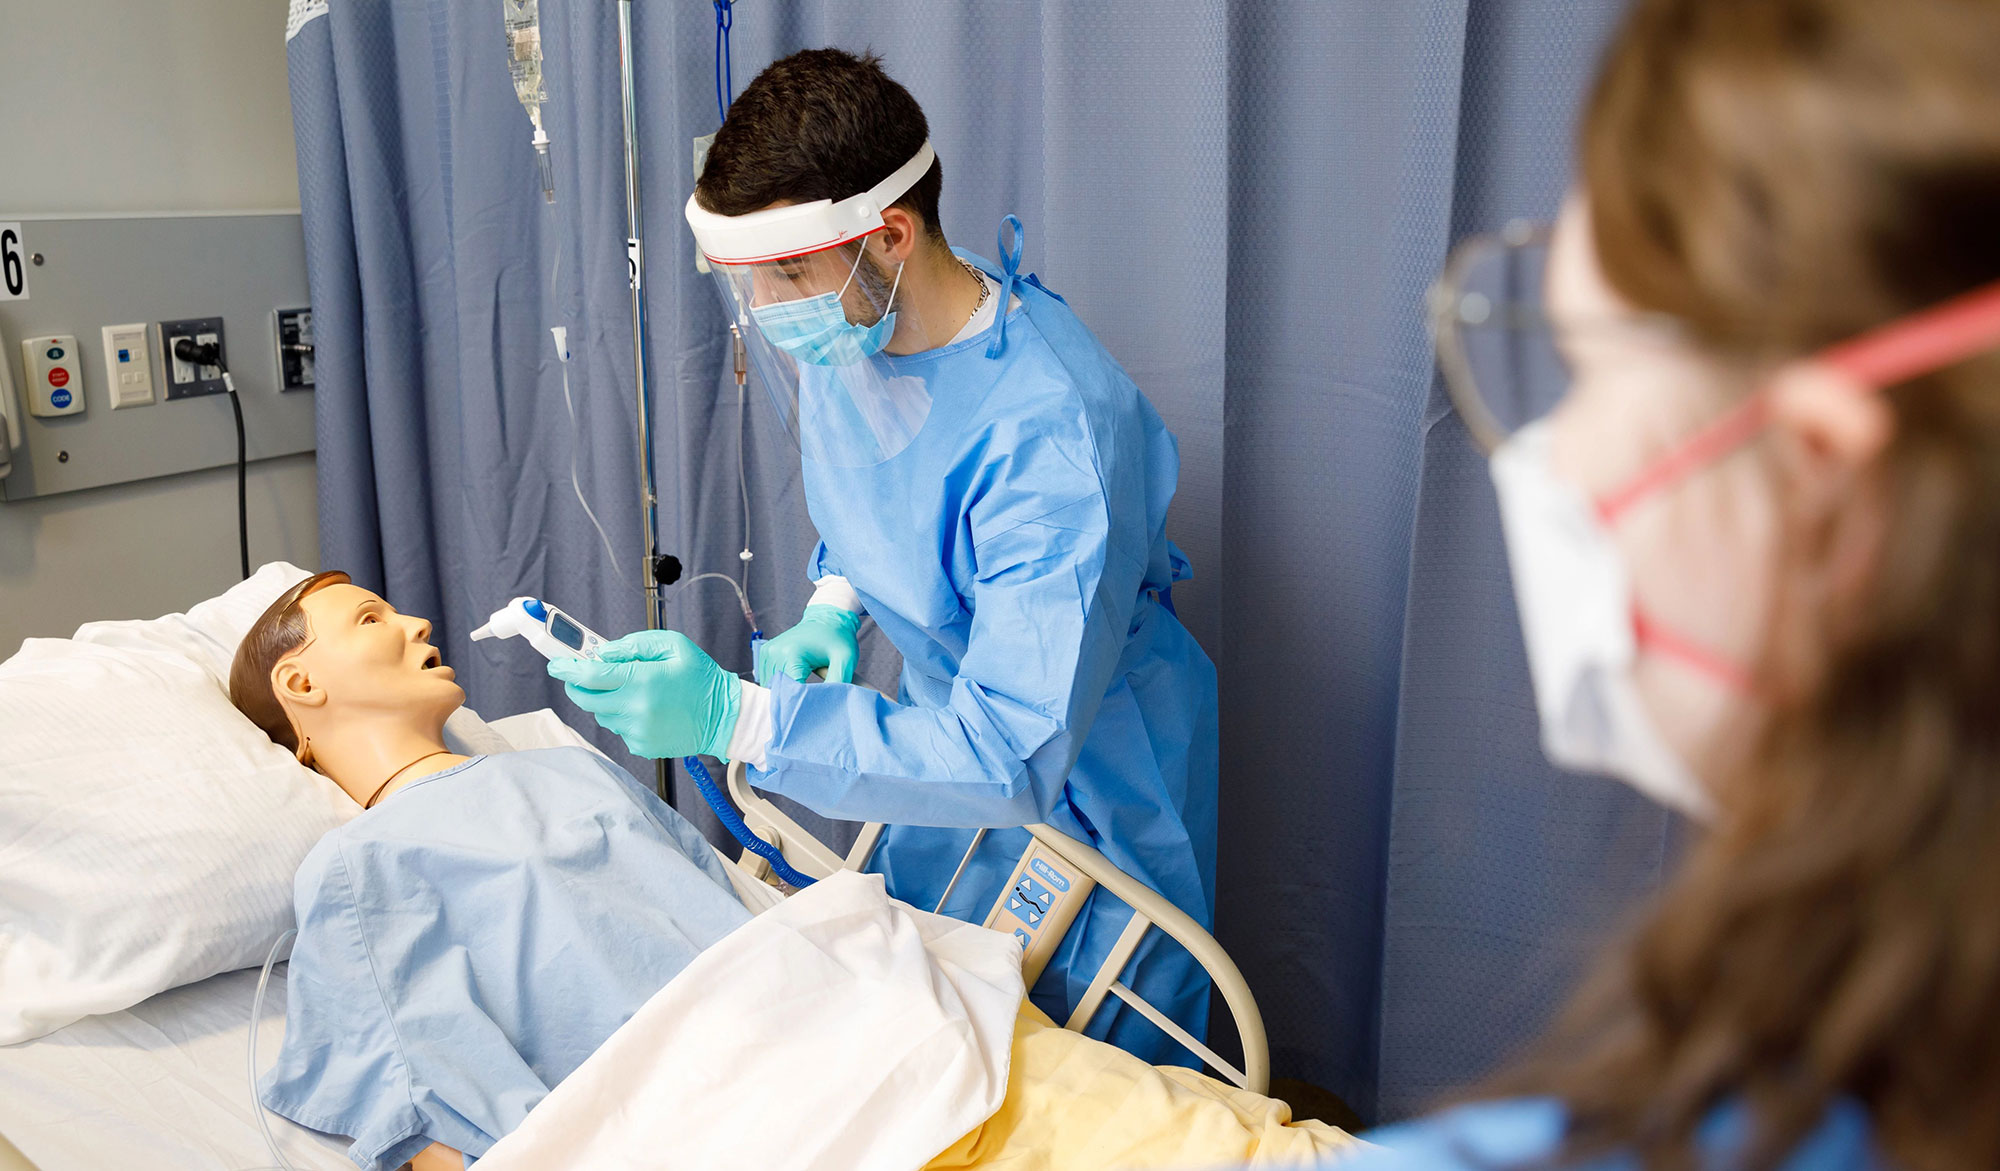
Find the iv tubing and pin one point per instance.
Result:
(575, 441)
(256, 1012)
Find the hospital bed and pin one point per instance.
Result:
(1050, 882)
(162, 1084)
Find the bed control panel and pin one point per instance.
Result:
(1041, 901)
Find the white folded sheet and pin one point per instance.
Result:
(839, 1030)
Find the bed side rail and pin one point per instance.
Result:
(1150, 910)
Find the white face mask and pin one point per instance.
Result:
(1576, 615)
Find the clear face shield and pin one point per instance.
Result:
(817, 328)
(810, 290)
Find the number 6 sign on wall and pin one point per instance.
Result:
(13, 271)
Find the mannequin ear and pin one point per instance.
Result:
(293, 686)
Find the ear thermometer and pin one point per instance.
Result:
(547, 629)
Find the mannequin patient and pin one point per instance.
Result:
(484, 923)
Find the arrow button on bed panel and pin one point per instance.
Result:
(1024, 911)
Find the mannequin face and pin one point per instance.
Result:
(365, 665)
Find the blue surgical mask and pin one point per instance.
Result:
(815, 329)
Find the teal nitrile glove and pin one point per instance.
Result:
(822, 641)
(658, 691)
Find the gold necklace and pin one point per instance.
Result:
(984, 291)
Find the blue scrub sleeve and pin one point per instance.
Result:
(1051, 604)
(822, 563)
(341, 1070)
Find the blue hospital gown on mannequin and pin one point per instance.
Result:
(1014, 553)
(467, 943)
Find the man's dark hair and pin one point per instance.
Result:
(821, 124)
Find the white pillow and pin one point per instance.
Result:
(205, 636)
(541, 728)
(148, 831)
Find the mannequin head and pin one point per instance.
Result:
(353, 688)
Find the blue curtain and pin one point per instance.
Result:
(1246, 200)
(1411, 886)
(436, 271)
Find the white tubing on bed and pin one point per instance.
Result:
(256, 1012)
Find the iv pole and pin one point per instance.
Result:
(635, 260)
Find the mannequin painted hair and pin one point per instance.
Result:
(280, 631)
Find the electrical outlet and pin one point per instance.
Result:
(295, 349)
(185, 379)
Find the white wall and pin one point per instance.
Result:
(103, 104)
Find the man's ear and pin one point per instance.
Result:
(902, 233)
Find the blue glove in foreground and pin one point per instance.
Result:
(822, 641)
(658, 691)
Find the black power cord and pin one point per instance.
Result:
(209, 354)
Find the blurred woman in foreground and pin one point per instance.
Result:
(1756, 546)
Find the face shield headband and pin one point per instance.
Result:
(778, 233)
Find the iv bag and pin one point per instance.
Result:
(524, 59)
(524, 64)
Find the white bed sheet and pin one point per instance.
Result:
(161, 1085)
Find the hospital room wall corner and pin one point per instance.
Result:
(175, 106)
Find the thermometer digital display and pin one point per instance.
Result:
(555, 634)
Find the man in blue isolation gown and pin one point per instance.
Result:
(992, 489)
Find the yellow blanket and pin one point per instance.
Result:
(1075, 1103)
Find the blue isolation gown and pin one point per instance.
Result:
(464, 945)
(1015, 553)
